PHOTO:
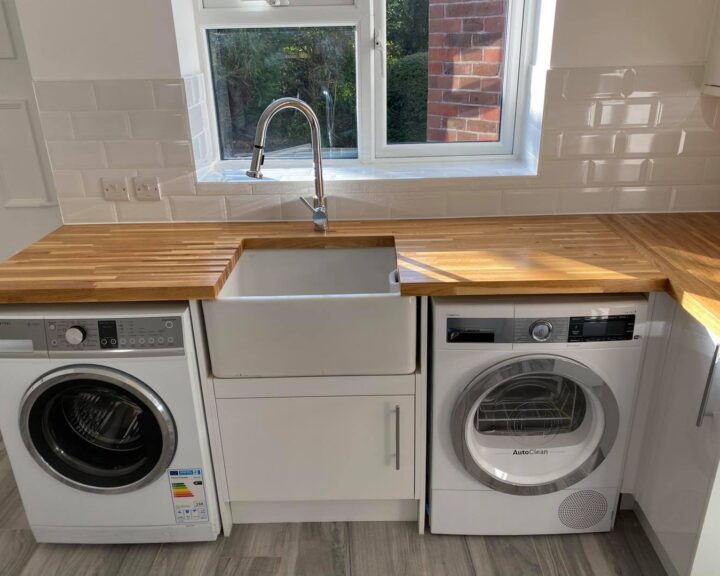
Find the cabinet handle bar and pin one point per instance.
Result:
(708, 388)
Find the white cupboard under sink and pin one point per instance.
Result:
(319, 448)
(678, 489)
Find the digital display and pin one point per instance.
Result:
(604, 328)
(107, 330)
(601, 328)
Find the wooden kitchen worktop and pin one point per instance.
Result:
(510, 255)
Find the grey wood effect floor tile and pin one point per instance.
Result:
(139, 560)
(258, 566)
(562, 556)
(503, 556)
(75, 560)
(629, 526)
(16, 548)
(187, 559)
(386, 548)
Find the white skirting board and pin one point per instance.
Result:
(324, 511)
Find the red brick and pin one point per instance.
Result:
(435, 95)
(492, 54)
(491, 137)
(458, 68)
(435, 122)
(459, 97)
(441, 135)
(466, 83)
(481, 125)
(440, 82)
(446, 25)
(438, 109)
(455, 123)
(444, 54)
(492, 114)
(486, 69)
(472, 55)
(473, 24)
(436, 40)
(484, 98)
(487, 39)
(459, 40)
(436, 68)
(464, 136)
(492, 85)
(436, 11)
(474, 9)
(495, 24)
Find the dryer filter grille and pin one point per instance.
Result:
(583, 509)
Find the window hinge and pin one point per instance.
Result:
(277, 3)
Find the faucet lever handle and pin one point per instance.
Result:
(307, 203)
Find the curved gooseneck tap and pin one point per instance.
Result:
(318, 206)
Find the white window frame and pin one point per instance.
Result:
(368, 18)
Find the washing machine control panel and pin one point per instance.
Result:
(161, 334)
(549, 330)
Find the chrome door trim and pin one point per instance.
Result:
(110, 376)
(507, 370)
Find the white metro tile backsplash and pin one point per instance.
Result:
(620, 139)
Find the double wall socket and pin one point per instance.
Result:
(115, 188)
(147, 188)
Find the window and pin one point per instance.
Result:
(387, 78)
(251, 67)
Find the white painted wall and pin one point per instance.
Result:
(82, 39)
(21, 226)
(631, 32)
(99, 39)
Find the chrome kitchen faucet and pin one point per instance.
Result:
(318, 207)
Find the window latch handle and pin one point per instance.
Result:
(381, 49)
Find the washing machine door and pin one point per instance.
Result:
(97, 429)
(534, 424)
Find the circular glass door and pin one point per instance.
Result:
(534, 424)
(97, 429)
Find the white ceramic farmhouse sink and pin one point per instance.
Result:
(311, 312)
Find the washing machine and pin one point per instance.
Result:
(102, 417)
(532, 399)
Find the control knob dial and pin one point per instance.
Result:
(75, 335)
(541, 330)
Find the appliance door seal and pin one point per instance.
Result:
(534, 424)
(97, 429)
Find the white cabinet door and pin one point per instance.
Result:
(326, 448)
(679, 472)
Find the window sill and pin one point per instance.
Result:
(224, 175)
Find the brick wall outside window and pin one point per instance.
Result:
(465, 56)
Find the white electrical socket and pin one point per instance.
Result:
(115, 188)
(147, 188)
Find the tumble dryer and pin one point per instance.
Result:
(532, 400)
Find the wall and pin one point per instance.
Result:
(28, 208)
(99, 39)
(625, 130)
(631, 32)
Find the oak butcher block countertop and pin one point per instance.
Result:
(508, 255)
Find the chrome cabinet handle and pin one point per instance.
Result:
(708, 387)
(397, 437)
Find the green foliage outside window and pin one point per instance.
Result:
(254, 66)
